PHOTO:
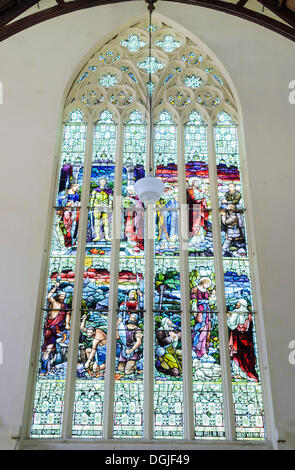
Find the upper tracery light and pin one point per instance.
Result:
(109, 56)
(168, 43)
(192, 81)
(151, 65)
(192, 58)
(108, 80)
(133, 43)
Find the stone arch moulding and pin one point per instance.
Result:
(94, 89)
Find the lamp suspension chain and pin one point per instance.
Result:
(150, 188)
(150, 90)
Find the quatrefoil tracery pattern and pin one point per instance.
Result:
(182, 74)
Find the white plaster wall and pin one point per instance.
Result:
(35, 68)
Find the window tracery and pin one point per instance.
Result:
(113, 291)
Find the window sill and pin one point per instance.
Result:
(118, 444)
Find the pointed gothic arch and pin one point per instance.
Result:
(182, 300)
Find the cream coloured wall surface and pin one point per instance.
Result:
(35, 69)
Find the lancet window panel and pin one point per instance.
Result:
(126, 280)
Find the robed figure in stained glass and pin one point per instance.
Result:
(134, 220)
(168, 349)
(130, 335)
(69, 199)
(66, 176)
(202, 313)
(232, 222)
(167, 220)
(56, 327)
(241, 342)
(198, 213)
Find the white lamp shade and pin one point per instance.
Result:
(149, 189)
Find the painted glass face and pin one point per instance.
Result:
(121, 268)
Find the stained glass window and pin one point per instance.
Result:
(128, 283)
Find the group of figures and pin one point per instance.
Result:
(200, 227)
(231, 218)
(93, 334)
(99, 219)
(129, 349)
(92, 338)
(129, 346)
(99, 231)
(129, 340)
(205, 329)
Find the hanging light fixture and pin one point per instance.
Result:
(150, 188)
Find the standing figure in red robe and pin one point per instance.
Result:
(241, 343)
(56, 324)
